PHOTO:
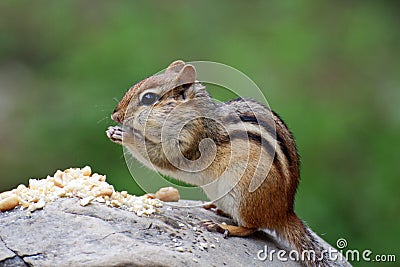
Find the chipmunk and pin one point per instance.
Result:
(240, 152)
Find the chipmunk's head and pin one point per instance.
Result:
(150, 101)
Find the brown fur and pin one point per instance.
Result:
(245, 133)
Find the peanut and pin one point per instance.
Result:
(168, 194)
(86, 171)
(9, 202)
(105, 192)
(58, 181)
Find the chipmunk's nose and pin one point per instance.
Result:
(117, 117)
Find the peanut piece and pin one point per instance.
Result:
(9, 202)
(106, 192)
(168, 194)
(85, 201)
(58, 181)
(86, 171)
(150, 196)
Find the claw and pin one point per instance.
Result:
(214, 227)
(226, 233)
(227, 230)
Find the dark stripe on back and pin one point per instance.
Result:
(246, 135)
(290, 155)
(251, 118)
(273, 132)
(255, 121)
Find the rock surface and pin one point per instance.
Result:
(67, 234)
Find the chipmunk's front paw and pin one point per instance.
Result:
(115, 133)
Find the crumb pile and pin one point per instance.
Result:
(75, 182)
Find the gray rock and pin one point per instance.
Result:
(67, 234)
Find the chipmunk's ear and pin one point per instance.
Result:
(175, 66)
(187, 75)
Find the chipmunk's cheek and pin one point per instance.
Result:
(152, 129)
(142, 117)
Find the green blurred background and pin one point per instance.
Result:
(330, 69)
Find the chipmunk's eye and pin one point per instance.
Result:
(149, 99)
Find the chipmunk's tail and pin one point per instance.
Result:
(310, 251)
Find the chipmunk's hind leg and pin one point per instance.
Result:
(227, 230)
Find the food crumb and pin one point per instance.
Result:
(180, 249)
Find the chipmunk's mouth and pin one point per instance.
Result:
(127, 122)
(142, 134)
(137, 133)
